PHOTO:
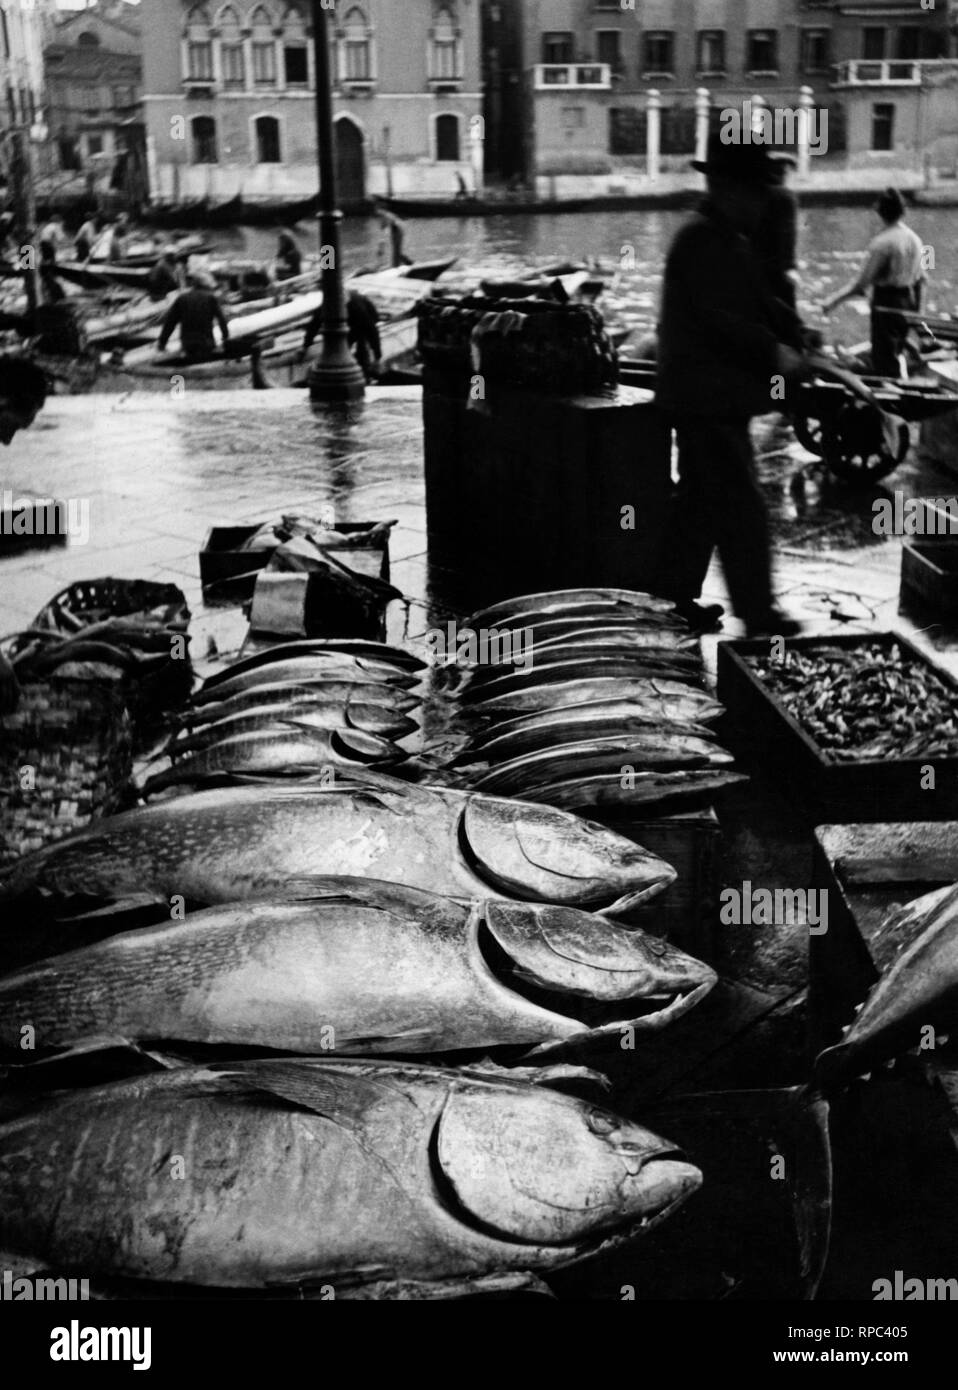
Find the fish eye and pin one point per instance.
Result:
(601, 1122)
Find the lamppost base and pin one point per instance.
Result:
(333, 383)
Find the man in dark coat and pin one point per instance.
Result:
(728, 350)
(195, 312)
(362, 321)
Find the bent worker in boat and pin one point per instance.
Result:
(894, 271)
(195, 312)
(726, 347)
(163, 279)
(362, 320)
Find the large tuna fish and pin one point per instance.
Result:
(643, 751)
(565, 603)
(599, 641)
(359, 967)
(919, 990)
(514, 739)
(240, 842)
(366, 719)
(277, 750)
(486, 683)
(376, 653)
(334, 666)
(672, 699)
(629, 790)
(300, 1172)
(328, 693)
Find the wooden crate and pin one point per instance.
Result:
(526, 492)
(761, 728)
(929, 575)
(228, 573)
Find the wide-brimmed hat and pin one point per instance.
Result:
(753, 164)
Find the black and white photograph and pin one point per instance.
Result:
(478, 673)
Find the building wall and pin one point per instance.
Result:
(571, 130)
(21, 63)
(395, 114)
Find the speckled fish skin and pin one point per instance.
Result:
(303, 1170)
(919, 989)
(598, 755)
(325, 692)
(674, 699)
(502, 743)
(367, 719)
(336, 666)
(239, 842)
(281, 750)
(567, 602)
(358, 967)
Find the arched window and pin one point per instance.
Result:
(232, 56)
(267, 140)
(88, 39)
(199, 45)
(264, 47)
(356, 63)
(445, 47)
(295, 60)
(447, 137)
(204, 140)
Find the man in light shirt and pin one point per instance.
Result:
(893, 271)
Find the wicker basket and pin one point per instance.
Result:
(66, 756)
(153, 680)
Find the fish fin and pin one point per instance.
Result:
(561, 1076)
(99, 1057)
(341, 1095)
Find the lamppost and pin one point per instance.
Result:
(336, 375)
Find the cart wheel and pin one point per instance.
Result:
(857, 452)
(810, 433)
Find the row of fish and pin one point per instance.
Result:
(595, 699)
(298, 707)
(332, 1177)
(325, 921)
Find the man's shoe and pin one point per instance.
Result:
(773, 624)
(701, 617)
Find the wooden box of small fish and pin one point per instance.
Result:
(864, 726)
(232, 556)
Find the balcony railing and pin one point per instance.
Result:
(888, 72)
(596, 77)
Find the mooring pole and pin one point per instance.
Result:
(336, 375)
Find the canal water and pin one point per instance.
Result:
(631, 247)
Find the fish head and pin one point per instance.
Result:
(918, 990)
(546, 855)
(533, 1165)
(567, 951)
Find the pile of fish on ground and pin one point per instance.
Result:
(296, 708)
(589, 698)
(393, 946)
